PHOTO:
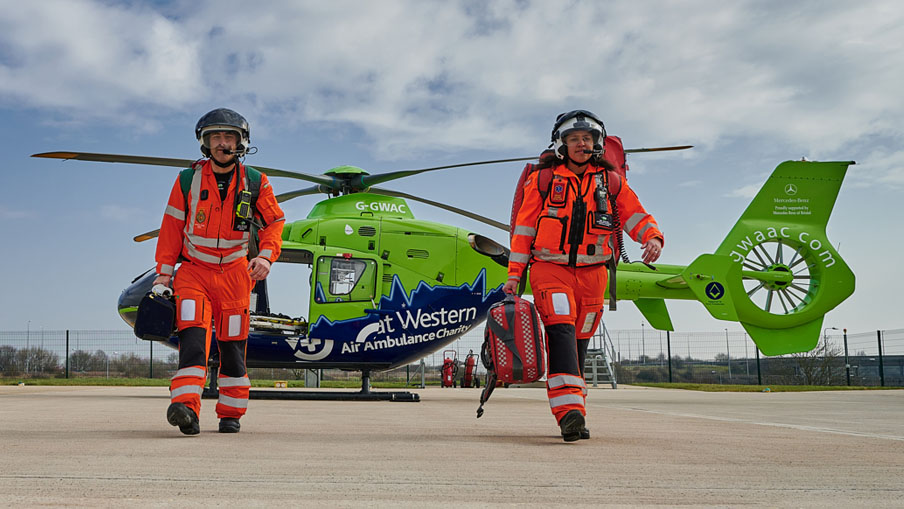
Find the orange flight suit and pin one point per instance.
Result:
(212, 283)
(568, 237)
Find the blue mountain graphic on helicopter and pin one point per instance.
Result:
(400, 329)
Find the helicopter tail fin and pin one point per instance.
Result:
(776, 271)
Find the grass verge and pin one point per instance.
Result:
(164, 382)
(761, 388)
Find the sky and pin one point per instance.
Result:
(397, 85)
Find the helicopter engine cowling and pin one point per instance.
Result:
(490, 248)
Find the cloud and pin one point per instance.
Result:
(121, 214)
(812, 75)
(748, 192)
(6, 213)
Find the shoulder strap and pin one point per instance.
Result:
(613, 183)
(254, 185)
(185, 177)
(544, 180)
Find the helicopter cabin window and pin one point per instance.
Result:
(345, 279)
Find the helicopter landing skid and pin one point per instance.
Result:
(365, 394)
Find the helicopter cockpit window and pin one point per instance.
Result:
(345, 280)
(344, 274)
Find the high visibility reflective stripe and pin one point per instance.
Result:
(194, 253)
(549, 257)
(587, 259)
(545, 256)
(519, 257)
(218, 243)
(643, 230)
(563, 380)
(525, 230)
(167, 270)
(634, 221)
(195, 192)
(173, 211)
(588, 322)
(278, 220)
(233, 402)
(241, 253)
(186, 389)
(227, 381)
(567, 399)
(553, 212)
(266, 253)
(514, 278)
(191, 372)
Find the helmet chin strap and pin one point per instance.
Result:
(227, 164)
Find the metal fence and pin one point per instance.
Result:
(873, 358)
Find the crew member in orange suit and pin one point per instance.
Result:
(209, 231)
(567, 238)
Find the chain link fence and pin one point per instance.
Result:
(862, 359)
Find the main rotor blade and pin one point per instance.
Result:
(476, 217)
(657, 149)
(372, 180)
(147, 236)
(176, 163)
(301, 192)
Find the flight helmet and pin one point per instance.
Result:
(223, 119)
(577, 120)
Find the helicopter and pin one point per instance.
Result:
(388, 289)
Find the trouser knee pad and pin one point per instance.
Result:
(562, 345)
(192, 351)
(232, 357)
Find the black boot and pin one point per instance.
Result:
(585, 433)
(571, 425)
(229, 425)
(180, 415)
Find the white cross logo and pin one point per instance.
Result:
(310, 344)
(790, 189)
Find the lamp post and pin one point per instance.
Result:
(660, 349)
(27, 339)
(643, 346)
(728, 353)
(847, 362)
(825, 340)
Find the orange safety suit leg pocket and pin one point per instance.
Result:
(233, 323)
(192, 310)
(589, 314)
(555, 305)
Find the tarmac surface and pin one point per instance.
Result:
(112, 446)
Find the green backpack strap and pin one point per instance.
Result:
(254, 184)
(185, 177)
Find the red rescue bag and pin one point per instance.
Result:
(514, 348)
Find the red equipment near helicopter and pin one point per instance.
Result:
(450, 368)
(469, 378)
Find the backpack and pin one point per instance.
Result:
(254, 187)
(514, 348)
(615, 155)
